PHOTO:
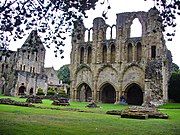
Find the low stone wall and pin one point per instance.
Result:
(13, 102)
(139, 112)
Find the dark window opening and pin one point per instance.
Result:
(82, 55)
(104, 55)
(153, 52)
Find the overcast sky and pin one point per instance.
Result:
(117, 6)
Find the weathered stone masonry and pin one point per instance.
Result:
(136, 67)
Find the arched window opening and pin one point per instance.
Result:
(114, 32)
(112, 53)
(136, 28)
(2, 70)
(33, 69)
(104, 55)
(129, 59)
(24, 67)
(30, 69)
(153, 52)
(21, 67)
(7, 67)
(139, 51)
(81, 55)
(90, 35)
(89, 55)
(108, 33)
(86, 36)
(31, 91)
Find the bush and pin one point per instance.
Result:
(40, 92)
(51, 91)
(174, 87)
(61, 91)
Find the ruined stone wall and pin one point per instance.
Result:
(122, 64)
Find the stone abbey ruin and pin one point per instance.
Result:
(23, 72)
(104, 69)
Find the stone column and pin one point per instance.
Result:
(98, 96)
(117, 96)
(75, 95)
(133, 52)
(95, 89)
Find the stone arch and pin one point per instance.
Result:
(130, 66)
(107, 93)
(88, 35)
(31, 91)
(134, 94)
(84, 92)
(105, 66)
(141, 16)
(139, 51)
(22, 90)
(129, 52)
(113, 33)
(136, 28)
(81, 67)
(81, 55)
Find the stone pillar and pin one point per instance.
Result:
(95, 89)
(75, 95)
(117, 96)
(98, 96)
(133, 53)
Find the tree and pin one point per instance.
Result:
(54, 18)
(174, 85)
(51, 17)
(175, 67)
(168, 10)
(64, 74)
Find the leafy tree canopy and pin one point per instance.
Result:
(175, 67)
(54, 18)
(64, 74)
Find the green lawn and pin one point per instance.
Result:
(16, 120)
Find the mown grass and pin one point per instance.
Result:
(16, 120)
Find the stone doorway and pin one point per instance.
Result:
(134, 95)
(31, 91)
(108, 94)
(22, 90)
(84, 93)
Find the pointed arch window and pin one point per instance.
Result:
(136, 28)
(108, 33)
(139, 51)
(24, 67)
(129, 51)
(2, 70)
(89, 55)
(114, 32)
(81, 55)
(104, 55)
(112, 53)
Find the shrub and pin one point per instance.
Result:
(51, 91)
(174, 87)
(61, 91)
(40, 92)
